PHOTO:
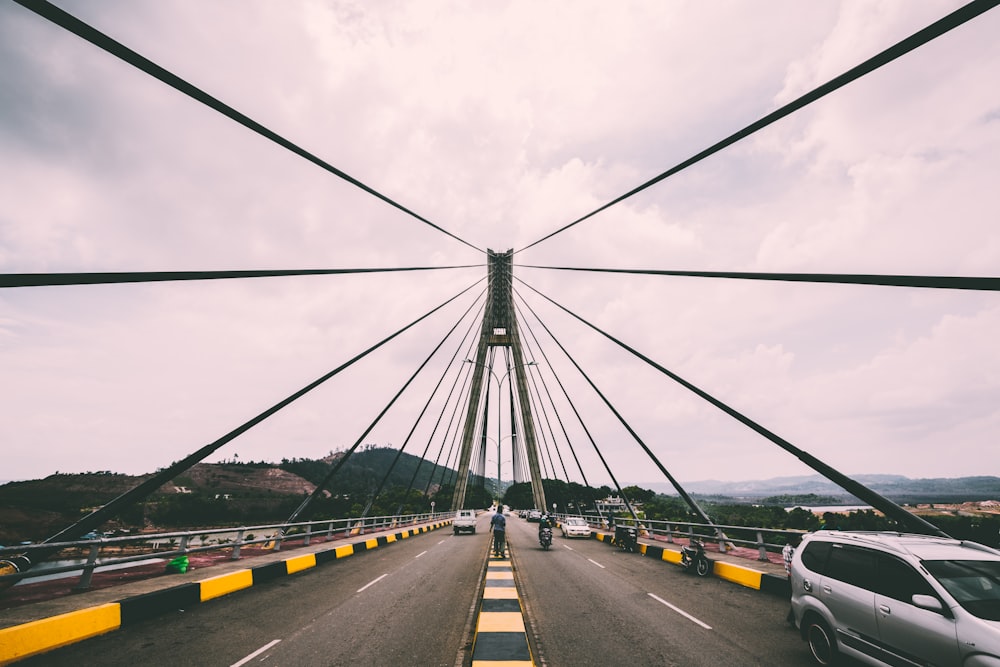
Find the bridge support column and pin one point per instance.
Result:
(499, 330)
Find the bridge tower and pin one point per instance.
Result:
(499, 330)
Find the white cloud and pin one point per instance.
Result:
(501, 124)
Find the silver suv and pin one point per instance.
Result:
(897, 599)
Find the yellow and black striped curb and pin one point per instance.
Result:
(738, 574)
(500, 638)
(21, 641)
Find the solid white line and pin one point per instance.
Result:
(373, 582)
(681, 612)
(255, 654)
(596, 563)
(420, 554)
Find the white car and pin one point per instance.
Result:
(574, 526)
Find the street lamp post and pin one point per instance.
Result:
(500, 382)
(498, 468)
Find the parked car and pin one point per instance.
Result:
(897, 599)
(465, 521)
(574, 526)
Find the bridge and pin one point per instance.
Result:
(422, 595)
(506, 341)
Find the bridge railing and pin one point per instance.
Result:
(108, 552)
(764, 540)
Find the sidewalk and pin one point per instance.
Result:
(739, 565)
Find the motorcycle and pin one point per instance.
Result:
(545, 538)
(693, 555)
(627, 538)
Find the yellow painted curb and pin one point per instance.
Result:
(299, 563)
(21, 641)
(500, 575)
(739, 575)
(672, 556)
(501, 621)
(371, 544)
(225, 584)
(500, 593)
(344, 551)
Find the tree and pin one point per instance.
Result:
(638, 495)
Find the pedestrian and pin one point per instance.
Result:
(499, 525)
(787, 553)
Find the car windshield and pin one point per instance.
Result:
(975, 584)
(575, 522)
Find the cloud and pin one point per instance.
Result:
(500, 124)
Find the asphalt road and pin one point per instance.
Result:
(409, 603)
(591, 604)
(414, 603)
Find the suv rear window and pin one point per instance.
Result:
(814, 556)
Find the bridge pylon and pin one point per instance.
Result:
(500, 330)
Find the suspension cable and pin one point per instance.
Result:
(540, 408)
(858, 490)
(919, 38)
(684, 494)
(562, 425)
(430, 398)
(444, 405)
(158, 479)
(987, 283)
(81, 29)
(583, 425)
(99, 278)
(340, 463)
(461, 400)
(559, 418)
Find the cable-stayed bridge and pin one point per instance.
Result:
(499, 340)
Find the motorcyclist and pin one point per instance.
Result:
(546, 521)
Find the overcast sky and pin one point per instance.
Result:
(501, 123)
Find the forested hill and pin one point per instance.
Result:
(228, 492)
(365, 469)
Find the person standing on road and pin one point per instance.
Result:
(499, 525)
(786, 556)
(788, 552)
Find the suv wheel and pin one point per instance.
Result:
(822, 645)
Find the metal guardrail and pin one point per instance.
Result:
(748, 536)
(165, 546)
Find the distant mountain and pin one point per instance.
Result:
(895, 487)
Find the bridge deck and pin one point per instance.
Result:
(139, 592)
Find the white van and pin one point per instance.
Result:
(465, 521)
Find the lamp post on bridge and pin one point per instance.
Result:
(500, 382)
(498, 461)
